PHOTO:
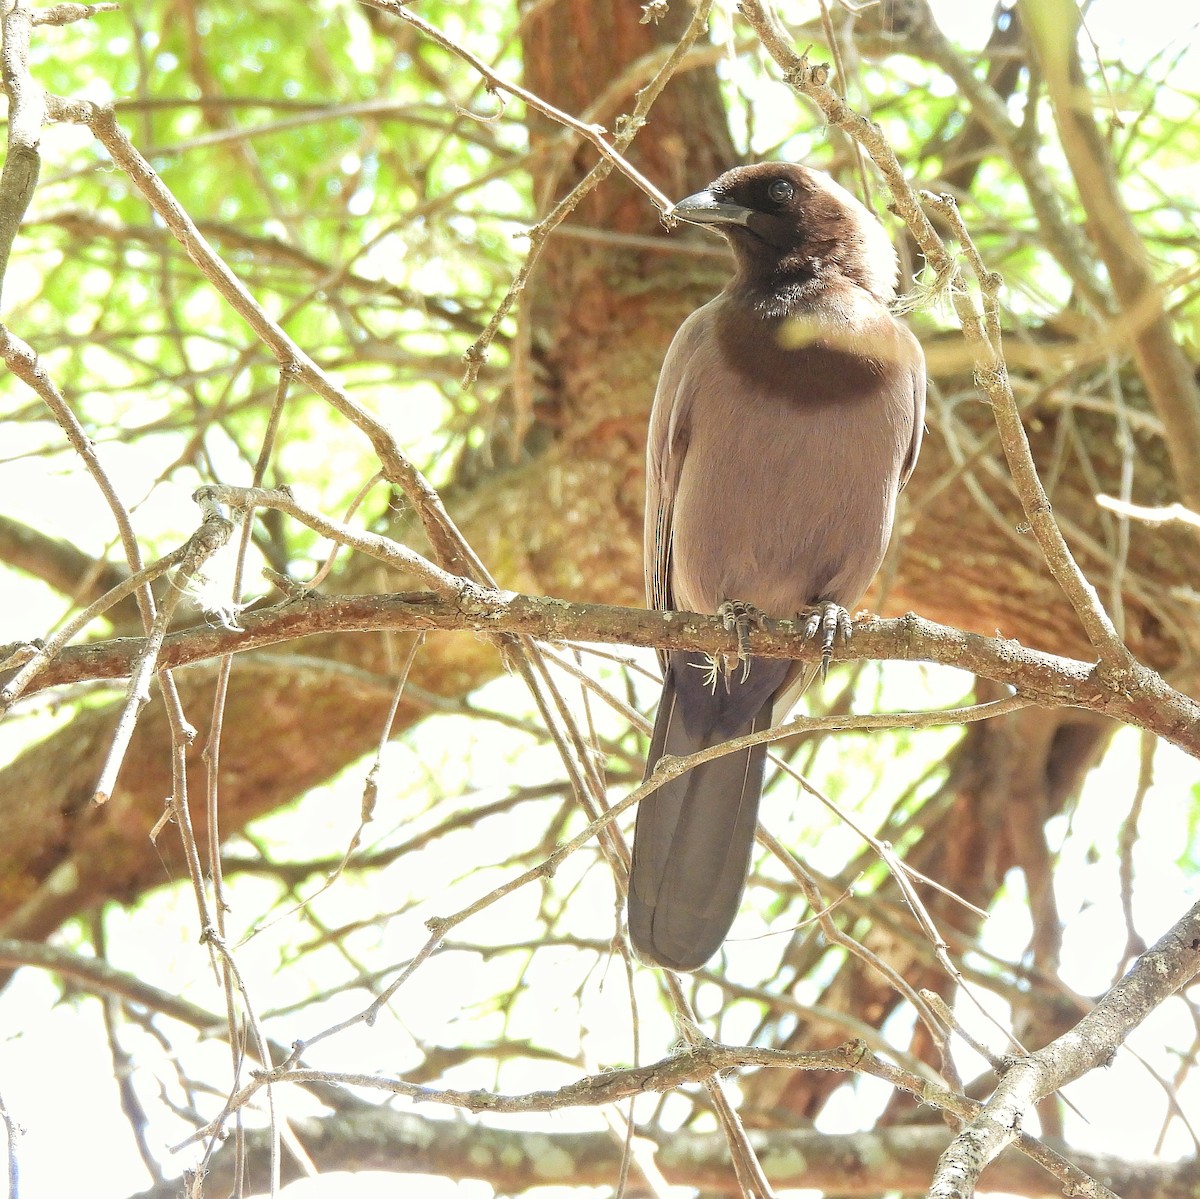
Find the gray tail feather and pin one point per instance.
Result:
(694, 835)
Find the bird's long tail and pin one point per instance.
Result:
(692, 842)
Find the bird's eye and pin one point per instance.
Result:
(780, 191)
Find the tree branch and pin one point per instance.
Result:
(60, 564)
(1145, 700)
(1161, 971)
(862, 1164)
(1170, 382)
(699, 1063)
(26, 112)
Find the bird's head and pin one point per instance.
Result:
(793, 227)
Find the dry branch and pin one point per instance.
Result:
(1144, 700)
(861, 1165)
(1163, 969)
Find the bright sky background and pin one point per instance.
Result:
(75, 1140)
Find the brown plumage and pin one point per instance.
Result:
(788, 415)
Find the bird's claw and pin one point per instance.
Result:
(831, 621)
(739, 617)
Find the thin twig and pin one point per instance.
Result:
(697, 1063)
(263, 1047)
(206, 541)
(41, 655)
(942, 1010)
(392, 553)
(991, 374)
(591, 132)
(1171, 513)
(212, 760)
(628, 128)
(1161, 971)
(12, 1131)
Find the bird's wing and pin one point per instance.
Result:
(666, 448)
(918, 395)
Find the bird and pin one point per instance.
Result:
(788, 415)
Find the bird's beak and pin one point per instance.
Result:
(705, 209)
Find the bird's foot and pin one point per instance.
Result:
(831, 621)
(713, 666)
(739, 617)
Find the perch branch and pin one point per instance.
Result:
(1145, 700)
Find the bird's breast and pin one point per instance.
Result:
(786, 492)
